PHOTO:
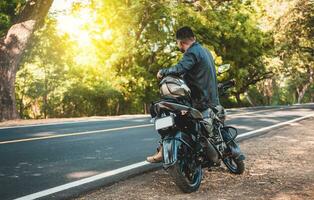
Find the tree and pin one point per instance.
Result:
(230, 30)
(120, 45)
(141, 42)
(13, 45)
(295, 33)
(42, 77)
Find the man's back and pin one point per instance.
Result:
(201, 78)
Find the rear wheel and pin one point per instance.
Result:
(187, 174)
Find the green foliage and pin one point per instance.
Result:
(295, 45)
(114, 70)
(8, 11)
(52, 84)
(230, 30)
(100, 99)
(42, 73)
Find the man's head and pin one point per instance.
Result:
(185, 38)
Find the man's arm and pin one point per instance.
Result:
(184, 65)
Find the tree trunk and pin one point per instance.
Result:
(302, 89)
(268, 98)
(237, 96)
(12, 47)
(7, 95)
(250, 100)
(145, 108)
(45, 97)
(118, 108)
(21, 106)
(301, 92)
(45, 105)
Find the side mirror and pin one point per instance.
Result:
(223, 68)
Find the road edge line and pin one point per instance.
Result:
(268, 128)
(83, 181)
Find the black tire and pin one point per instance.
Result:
(187, 183)
(234, 165)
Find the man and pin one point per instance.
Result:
(198, 70)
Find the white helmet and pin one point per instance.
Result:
(174, 87)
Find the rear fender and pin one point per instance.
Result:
(171, 146)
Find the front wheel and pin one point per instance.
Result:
(186, 173)
(235, 166)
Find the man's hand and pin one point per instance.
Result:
(159, 75)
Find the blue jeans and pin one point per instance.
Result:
(208, 117)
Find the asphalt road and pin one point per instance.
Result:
(36, 158)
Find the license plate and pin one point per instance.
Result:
(164, 122)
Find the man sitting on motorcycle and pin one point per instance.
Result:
(198, 70)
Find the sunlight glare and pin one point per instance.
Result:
(74, 26)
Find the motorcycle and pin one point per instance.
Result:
(189, 142)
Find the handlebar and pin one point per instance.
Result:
(227, 84)
(223, 87)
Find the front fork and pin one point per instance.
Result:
(228, 142)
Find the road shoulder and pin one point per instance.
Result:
(280, 165)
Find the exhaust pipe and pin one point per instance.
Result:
(210, 150)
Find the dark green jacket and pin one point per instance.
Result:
(198, 70)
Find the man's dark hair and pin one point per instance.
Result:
(185, 33)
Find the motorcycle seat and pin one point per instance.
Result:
(179, 107)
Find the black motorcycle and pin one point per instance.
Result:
(190, 143)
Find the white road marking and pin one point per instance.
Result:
(249, 113)
(74, 134)
(273, 126)
(75, 122)
(134, 166)
(83, 181)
